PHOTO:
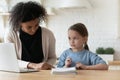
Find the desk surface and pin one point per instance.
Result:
(46, 75)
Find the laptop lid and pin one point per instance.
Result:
(8, 58)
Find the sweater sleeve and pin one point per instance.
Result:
(23, 64)
(10, 37)
(95, 59)
(51, 53)
(62, 59)
(48, 41)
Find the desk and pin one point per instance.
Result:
(45, 75)
(114, 65)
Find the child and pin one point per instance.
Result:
(79, 55)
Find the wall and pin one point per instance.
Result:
(101, 21)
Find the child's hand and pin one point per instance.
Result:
(68, 62)
(80, 66)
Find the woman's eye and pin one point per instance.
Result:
(29, 27)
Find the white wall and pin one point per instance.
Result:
(101, 21)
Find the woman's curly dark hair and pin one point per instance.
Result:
(26, 11)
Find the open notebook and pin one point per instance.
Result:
(8, 59)
(71, 70)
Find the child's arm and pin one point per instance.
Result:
(92, 67)
(97, 67)
(62, 58)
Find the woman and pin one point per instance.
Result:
(35, 45)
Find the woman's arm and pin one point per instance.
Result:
(49, 50)
(40, 66)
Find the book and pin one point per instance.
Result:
(71, 70)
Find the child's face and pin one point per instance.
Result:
(30, 27)
(76, 41)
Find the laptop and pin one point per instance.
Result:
(8, 59)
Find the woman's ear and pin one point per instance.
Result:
(85, 39)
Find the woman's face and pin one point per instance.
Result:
(30, 27)
(76, 41)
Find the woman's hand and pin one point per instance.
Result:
(80, 66)
(68, 62)
(40, 66)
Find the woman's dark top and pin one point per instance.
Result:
(32, 46)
